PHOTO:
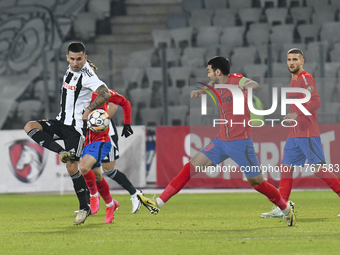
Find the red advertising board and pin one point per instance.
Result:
(175, 145)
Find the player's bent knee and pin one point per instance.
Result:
(32, 125)
(256, 180)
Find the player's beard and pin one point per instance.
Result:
(295, 70)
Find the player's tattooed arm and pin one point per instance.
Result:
(103, 96)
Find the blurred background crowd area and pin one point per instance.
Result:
(155, 51)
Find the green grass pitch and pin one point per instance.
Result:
(224, 223)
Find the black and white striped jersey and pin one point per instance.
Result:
(76, 94)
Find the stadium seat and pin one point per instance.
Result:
(231, 37)
(275, 3)
(173, 93)
(311, 67)
(7, 3)
(180, 75)
(215, 4)
(325, 15)
(242, 56)
(335, 4)
(313, 51)
(201, 18)
(280, 35)
(330, 32)
(189, 5)
(257, 36)
(331, 69)
(172, 56)
(262, 50)
(301, 15)
(335, 53)
(249, 15)
(280, 70)
(224, 17)
(211, 51)
(275, 15)
(154, 74)
(208, 36)
(289, 2)
(177, 114)
(100, 8)
(317, 4)
(151, 117)
(140, 98)
(133, 77)
(182, 36)
(161, 38)
(85, 26)
(308, 32)
(46, 3)
(200, 72)
(141, 58)
(239, 4)
(177, 20)
(256, 72)
(193, 57)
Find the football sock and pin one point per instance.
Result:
(329, 178)
(45, 140)
(177, 183)
(81, 190)
(104, 191)
(286, 182)
(159, 202)
(122, 180)
(272, 193)
(90, 179)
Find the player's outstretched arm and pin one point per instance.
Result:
(103, 96)
(250, 84)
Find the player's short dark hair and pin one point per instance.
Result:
(221, 63)
(295, 51)
(76, 47)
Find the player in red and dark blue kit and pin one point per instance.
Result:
(232, 141)
(304, 137)
(97, 146)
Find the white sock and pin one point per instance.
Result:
(110, 204)
(287, 210)
(95, 195)
(159, 202)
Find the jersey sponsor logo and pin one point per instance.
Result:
(27, 160)
(69, 87)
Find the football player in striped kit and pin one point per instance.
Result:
(79, 83)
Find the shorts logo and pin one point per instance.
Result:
(27, 160)
(209, 147)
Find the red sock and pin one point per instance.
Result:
(272, 193)
(90, 179)
(177, 183)
(329, 178)
(286, 182)
(104, 191)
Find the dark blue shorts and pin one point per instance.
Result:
(98, 150)
(241, 151)
(297, 150)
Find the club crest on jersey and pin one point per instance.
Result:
(75, 78)
(310, 89)
(27, 160)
